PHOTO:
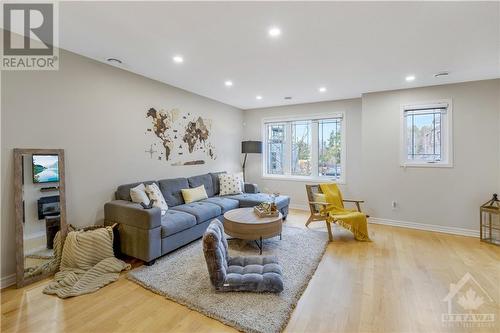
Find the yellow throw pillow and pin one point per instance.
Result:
(194, 194)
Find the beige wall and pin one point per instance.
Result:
(97, 114)
(448, 197)
(296, 189)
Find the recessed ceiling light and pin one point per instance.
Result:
(228, 83)
(410, 78)
(178, 59)
(322, 89)
(258, 97)
(114, 60)
(274, 31)
(441, 74)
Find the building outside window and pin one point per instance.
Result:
(305, 148)
(275, 147)
(426, 135)
(330, 148)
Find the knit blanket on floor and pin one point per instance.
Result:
(87, 264)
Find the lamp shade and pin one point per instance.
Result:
(251, 147)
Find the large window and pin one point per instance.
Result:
(305, 148)
(426, 135)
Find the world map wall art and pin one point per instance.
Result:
(181, 139)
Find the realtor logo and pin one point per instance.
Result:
(29, 35)
(467, 301)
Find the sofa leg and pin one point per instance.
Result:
(149, 263)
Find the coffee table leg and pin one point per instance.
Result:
(259, 244)
(280, 236)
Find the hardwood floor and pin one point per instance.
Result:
(394, 284)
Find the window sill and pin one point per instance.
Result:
(426, 165)
(305, 179)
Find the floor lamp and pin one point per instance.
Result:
(250, 147)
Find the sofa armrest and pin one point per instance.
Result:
(129, 213)
(251, 188)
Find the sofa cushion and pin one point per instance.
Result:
(225, 204)
(215, 181)
(203, 211)
(205, 180)
(175, 221)
(253, 199)
(123, 191)
(171, 190)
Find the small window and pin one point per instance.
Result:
(426, 139)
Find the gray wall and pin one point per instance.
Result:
(296, 189)
(97, 114)
(447, 197)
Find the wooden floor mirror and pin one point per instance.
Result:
(40, 212)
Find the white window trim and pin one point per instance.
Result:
(288, 176)
(447, 162)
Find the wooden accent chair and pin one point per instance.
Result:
(316, 214)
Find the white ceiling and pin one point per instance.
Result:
(350, 48)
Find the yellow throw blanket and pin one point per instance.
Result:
(352, 220)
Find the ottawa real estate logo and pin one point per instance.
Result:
(30, 31)
(469, 305)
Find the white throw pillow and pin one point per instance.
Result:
(138, 194)
(230, 184)
(156, 196)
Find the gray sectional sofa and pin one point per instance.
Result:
(147, 235)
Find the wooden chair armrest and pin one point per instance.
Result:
(319, 203)
(356, 202)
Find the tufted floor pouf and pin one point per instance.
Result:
(253, 273)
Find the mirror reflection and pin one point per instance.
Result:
(41, 212)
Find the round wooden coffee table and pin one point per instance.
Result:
(244, 223)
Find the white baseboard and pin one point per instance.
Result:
(410, 225)
(426, 227)
(7, 281)
(299, 206)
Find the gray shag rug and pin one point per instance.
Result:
(182, 277)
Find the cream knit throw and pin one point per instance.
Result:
(87, 263)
